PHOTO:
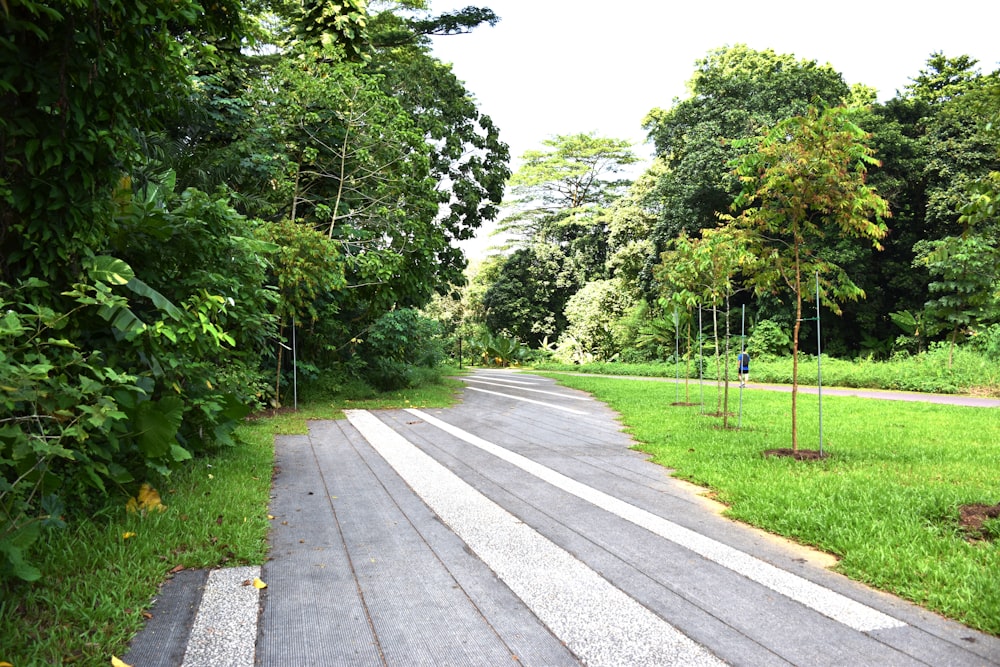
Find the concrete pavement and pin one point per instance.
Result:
(519, 528)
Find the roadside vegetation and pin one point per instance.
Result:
(971, 372)
(885, 501)
(99, 574)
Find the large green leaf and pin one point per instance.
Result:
(110, 270)
(156, 424)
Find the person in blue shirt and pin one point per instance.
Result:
(743, 367)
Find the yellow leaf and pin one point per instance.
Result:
(147, 500)
(125, 536)
(6, 664)
(270, 516)
(117, 662)
(258, 584)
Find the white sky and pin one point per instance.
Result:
(566, 66)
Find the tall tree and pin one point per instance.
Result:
(736, 92)
(467, 159)
(561, 195)
(805, 183)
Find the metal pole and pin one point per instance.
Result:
(819, 368)
(677, 357)
(701, 364)
(295, 372)
(743, 338)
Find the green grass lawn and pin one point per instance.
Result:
(885, 501)
(101, 572)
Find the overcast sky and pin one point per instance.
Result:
(566, 66)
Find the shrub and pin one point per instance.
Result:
(769, 338)
(400, 342)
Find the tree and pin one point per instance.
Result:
(706, 270)
(528, 295)
(82, 84)
(804, 183)
(963, 286)
(467, 160)
(561, 196)
(735, 93)
(594, 316)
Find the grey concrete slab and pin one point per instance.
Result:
(362, 573)
(164, 639)
(709, 603)
(934, 638)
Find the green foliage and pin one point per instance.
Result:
(527, 297)
(497, 350)
(79, 78)
(561, 197)
(595, 315)
(769, 338)
(736, 93)
(61, 402)
(963, 287)
(397, 346)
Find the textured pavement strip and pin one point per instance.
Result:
(225, 629)
(617, 630)
(829, 603)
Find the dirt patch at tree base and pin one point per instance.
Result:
(797, 454)
(972, 518)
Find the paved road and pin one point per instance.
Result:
(519, 528)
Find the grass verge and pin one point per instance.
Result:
(885, 501)
(101, 573)
(968, 372)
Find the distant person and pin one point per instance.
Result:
(743, 364)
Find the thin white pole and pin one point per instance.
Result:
(677, 356)
(701, 363)
(295, 371)
(819, 368)
(743, 338)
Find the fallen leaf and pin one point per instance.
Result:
(270, 516)
(175, 569)
(117, 662)
(6, 664)
(146, 615)
(258, 584)
(127, 535)
(147, 500)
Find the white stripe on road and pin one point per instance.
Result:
(833, 605)
(597, 621)
(529, 400)
(537, 391)
(504, 377)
